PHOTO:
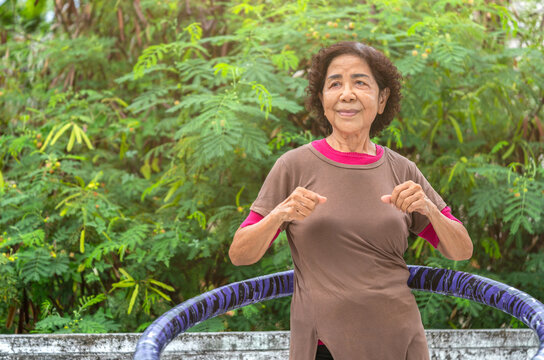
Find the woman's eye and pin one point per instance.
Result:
(360, 83)
(335, 84)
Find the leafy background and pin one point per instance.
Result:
(136, 134)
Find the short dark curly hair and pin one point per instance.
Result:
(383, 70)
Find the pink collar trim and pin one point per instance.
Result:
(348, 158)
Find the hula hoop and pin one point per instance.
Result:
(236, 295)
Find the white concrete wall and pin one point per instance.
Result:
(444, 345)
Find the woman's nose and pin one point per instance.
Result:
(347, 93)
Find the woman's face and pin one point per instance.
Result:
(351, 97)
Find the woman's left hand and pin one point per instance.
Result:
(409, 197)
(455, 243)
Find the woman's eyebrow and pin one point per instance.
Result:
(335, 76)
(353, 76)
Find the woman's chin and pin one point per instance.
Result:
(348, 129)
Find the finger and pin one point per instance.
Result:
(316, 201)
(409, 201)
(386, 199)
(315, 197)
(312, 196)
(407, 197)
(404, 194)
(304, 202)
(294, 214)
(397, 190)
(301, 204)
(304, 211)
(299, 212)
(417, 206)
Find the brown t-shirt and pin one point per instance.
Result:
(350, 286)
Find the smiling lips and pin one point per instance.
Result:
(347, 112)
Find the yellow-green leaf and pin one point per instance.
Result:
(161, 284)
(64, 211)
(146, 170)
(84, 213)
(166, 206)
(434, 130)
(121, 252)
(48, 138)
(509, 151)
(67, 199)
(78, 132)
(81, 267)
(133, 298)
(80, 181)
(123, 147)
(155, 165)
(97, 177)
(171, 191)
(60, 132)
(87, 141)
(457, 129)
(238, 196)
(499, 146)
(418, 246)
(106, 236)
(121, 102)
(122, 271)
(160, 293)
(116, 99)
(72, 140)
(124, 284)
(82, 241)
(452, 172)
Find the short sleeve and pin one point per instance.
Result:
(419, 221)
(277, 186)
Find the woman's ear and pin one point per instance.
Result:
(382, 99)
(320, 97)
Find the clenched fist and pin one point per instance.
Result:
(409, 197)
(299, 205)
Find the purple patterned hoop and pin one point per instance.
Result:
(233, 296)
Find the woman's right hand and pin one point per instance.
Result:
(299, 205)
(250, 242)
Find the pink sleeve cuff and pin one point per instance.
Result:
(254, 218)
(430, 235)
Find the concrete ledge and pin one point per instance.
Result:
(443, 344)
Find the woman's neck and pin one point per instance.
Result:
(359, 143)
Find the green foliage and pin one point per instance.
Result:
(8, 281)
(134, 139)
(78, 322)
(36, 265)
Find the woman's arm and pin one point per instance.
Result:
(455, 242)
(250, 242)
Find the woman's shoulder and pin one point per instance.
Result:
(395, 157)
(296, 155)
(399, 163)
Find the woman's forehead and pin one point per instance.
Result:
(349, 64)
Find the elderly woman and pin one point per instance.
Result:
(347, 205)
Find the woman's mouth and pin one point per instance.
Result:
(347, 113)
